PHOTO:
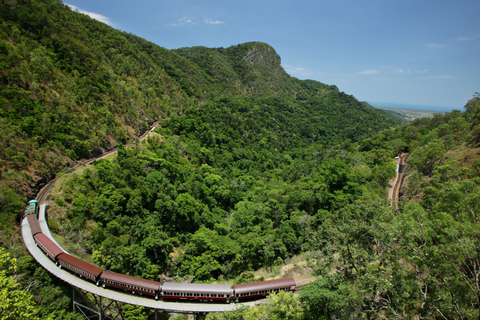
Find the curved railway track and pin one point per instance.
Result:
(189, 307)
(49, 265)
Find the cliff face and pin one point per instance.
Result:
(264, 56)
(252, 68)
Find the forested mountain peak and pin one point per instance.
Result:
(262, 53)
(72, 87)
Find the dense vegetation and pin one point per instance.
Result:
(71, 87)
(247, 168)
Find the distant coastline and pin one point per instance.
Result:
(413, 106)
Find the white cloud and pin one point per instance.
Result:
(423, 71)
(188, 20)
(296, 70)
(93, 15)
(211, 21)
(185, 20)
(434, 45)
(442, 76)
(371, 71)
(289, 67)
(465, 38)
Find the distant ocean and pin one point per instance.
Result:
(413, 106)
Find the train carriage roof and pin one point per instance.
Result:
(197, 288)
(48, 244)
(34, 225)
(79, 263)
(264, 285)
(134, 281)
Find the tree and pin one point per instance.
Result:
(15, 302)
(133, 312)
(283, 305)
(11, 206)
(279, 306)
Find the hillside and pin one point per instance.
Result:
(72, 87)
(247, 168)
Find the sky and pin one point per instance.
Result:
(417, 52)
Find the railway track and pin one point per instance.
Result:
(49, 265)
(394, 192)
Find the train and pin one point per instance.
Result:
(166, 291)
(32, 208)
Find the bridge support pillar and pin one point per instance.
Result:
(95, 307)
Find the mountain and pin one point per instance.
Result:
(72, 87)
(248, 168)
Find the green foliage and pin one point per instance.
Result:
(248, 167)
(322, 298)
(72, 87)
(280, 306)
(15, 302)
(11, 205)
(161, 200)
(132, 312)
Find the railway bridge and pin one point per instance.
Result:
(101, 295)
(115, 296)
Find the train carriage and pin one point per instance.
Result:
(196, 291)
(129, 283)
(34, 225)
(261, 289)
(80, 267)
(47, 246)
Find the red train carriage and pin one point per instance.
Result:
(47, 246)
(129, 283)
(197, 291)
(80, 267)
(34, 225)
(256, 290)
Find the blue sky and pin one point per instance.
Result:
(422, 52)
